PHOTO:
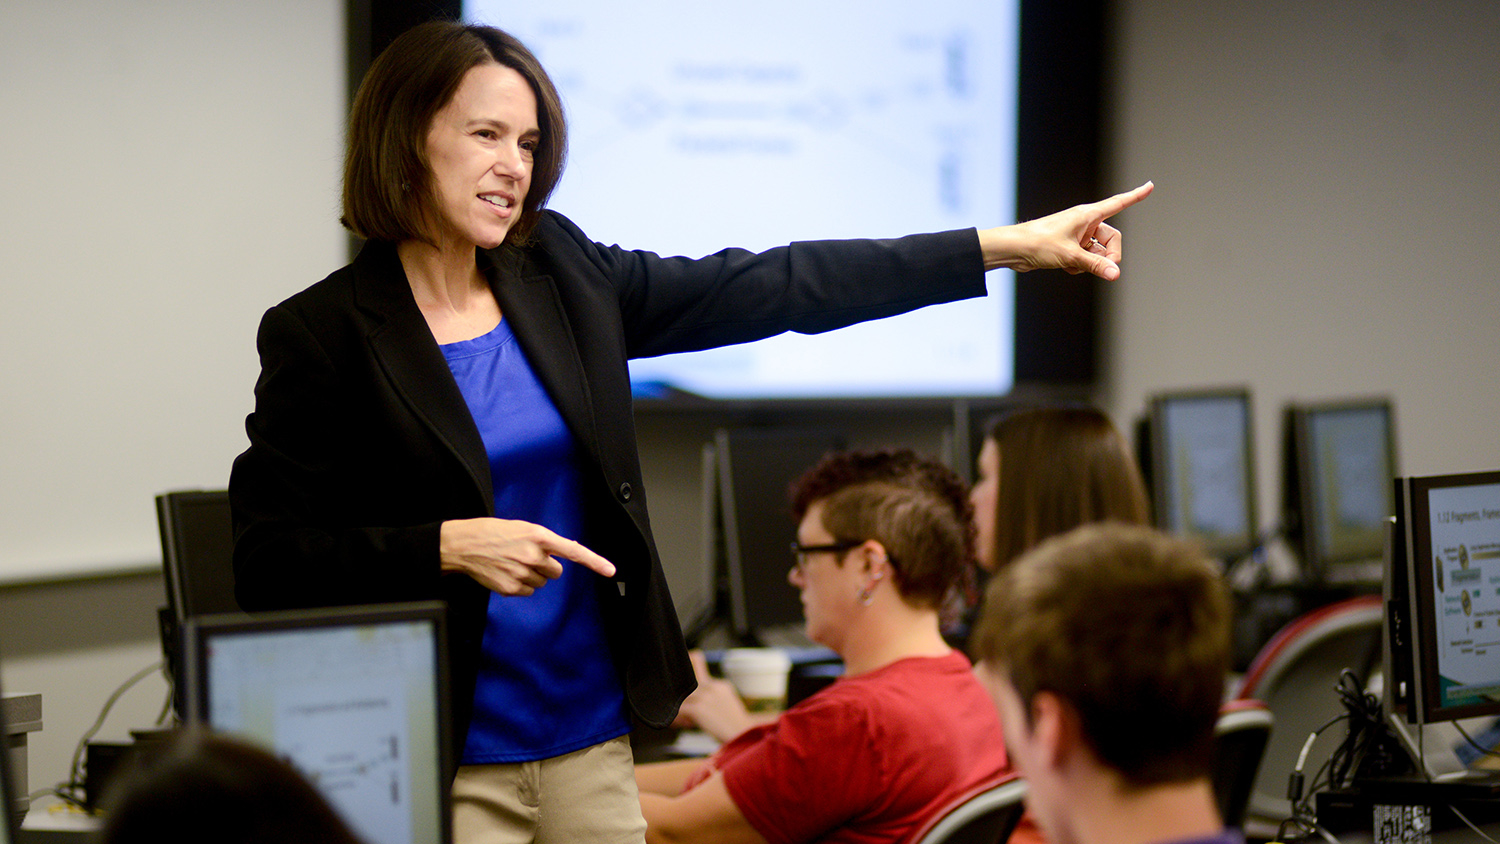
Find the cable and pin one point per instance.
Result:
(1481, 833)
(1476, 745)
(1367, 749)
(1294, 789)
(69, 791)
(1302, 814)
(166, 706)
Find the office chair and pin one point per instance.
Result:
(1240, 737)
(1296, 674)
(983, 815)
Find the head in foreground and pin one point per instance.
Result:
(202, 786)
(1105, 650)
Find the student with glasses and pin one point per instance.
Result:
(882, 540)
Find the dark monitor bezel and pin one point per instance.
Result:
(182, 596)
(1306, 519)
(1414, 523)
(1160, 463)
(198, 631)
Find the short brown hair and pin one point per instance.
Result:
(1061, 467)
(387, 184)
(916, 507)
(1131, 627)
(202, 786)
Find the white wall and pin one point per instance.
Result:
(168, 170)
(1327, 179)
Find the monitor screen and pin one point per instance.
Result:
(1449, 529)
(754, 472)
(697, 126)
(1344, 457)
(355, 698)
(1202, 468)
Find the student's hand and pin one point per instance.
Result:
(511, 557)
(1076, 240)
(715, 706)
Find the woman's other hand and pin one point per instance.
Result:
(1076, 240)
(511, 557)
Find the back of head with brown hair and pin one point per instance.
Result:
(203, 786)
(1061, 467)
(917, 508)
(1129, 626)
(387, 185)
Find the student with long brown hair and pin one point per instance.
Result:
(1044, 471)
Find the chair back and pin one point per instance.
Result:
(1240, 737)
(1296, 674)
(983, 815)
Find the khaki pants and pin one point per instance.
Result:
(588, 795)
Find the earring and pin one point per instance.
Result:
(866, 596)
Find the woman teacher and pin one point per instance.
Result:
(450, 416)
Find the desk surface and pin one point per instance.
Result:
(52, 821)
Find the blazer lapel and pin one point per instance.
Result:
(529, 300)
(402, 343)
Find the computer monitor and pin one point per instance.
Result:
(1341, 457)
(1199, 460)
(197, 554)
(1442, 590)
(197, 545)
(356, 698)
(754, 469)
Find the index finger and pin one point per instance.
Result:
(700, 664)
(1107, 208)
(578, 553)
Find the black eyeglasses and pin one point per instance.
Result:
(800, 551)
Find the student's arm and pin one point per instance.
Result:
(666, 778)
(704, 814)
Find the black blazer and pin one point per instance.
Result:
(361, 444)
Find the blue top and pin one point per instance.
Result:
(547, 682)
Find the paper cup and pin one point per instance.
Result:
(759, 675)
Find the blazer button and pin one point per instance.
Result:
(625, 492)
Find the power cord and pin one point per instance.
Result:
(72, 791)
(1368, 749)
(1481, 749)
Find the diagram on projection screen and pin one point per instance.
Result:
(699, 126)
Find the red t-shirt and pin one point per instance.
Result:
(867, 759)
